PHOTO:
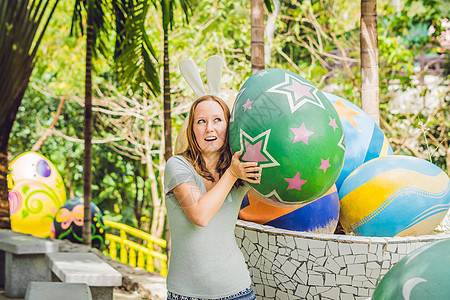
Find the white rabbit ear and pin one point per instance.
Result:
(214, 66)
(190, 72)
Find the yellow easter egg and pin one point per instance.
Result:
(36, 193)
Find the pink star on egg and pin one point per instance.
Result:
(253, 152)
(301, 134)
(325, 164)
(248, 105)
(300, 90)
(296, 182)
(333, 123)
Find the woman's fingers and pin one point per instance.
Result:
(253, 169)
(237, 154)
(253, 179)
(250, 164)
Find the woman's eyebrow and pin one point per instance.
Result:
(203, 116)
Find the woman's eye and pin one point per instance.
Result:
(200, 121)
(218, 119)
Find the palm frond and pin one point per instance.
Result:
(186, 5)
(20, 22)
(101, 25)
(269, 5)
(135, 57)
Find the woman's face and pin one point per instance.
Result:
(210, 126)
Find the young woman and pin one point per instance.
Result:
(204, 191)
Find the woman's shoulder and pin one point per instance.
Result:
(178, 161)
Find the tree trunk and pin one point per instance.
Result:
(5, 221)
(158, 207)
(270, 31)
(88, 126)
(369, 60)
(167, 109)
(5, 131)
(257, 19)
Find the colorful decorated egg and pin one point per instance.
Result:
(318, 216)
(422, 274)
(36, 192)
(68, 223)
(364, 139)
(289, 127)
(394, 196)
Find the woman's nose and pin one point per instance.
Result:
(209, 127)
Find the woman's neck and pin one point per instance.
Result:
(211, 161)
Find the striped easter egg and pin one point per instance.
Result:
(394, 196)
(319, 216)
(364, 139)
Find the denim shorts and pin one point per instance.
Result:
(246, 294)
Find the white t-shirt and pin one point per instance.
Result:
(205, 262)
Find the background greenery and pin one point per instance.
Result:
(315, 39)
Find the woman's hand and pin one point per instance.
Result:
(248, 171)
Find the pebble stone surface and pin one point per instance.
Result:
(298, 265)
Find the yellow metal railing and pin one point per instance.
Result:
(136, 255)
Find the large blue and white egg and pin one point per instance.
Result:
(364, 139)
(394, 196)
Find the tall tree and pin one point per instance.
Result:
(96, 25)
(22, 26)
(88, 127)
(369, 60)
(167, 9)
(134, 68)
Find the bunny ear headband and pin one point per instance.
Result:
(214, 66)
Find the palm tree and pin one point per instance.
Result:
(134, 60)
(19, 41)
(167, 8)
(369, 59)
(132, 67)
(96, 25)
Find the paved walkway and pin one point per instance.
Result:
(136, 283)
(118, 295)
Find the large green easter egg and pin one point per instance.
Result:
(422, 274)
(289, 127)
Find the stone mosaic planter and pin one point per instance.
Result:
(298, 265)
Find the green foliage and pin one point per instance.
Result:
(134, 54)
(22, 26)
(316, 39)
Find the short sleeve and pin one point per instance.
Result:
(178, 170)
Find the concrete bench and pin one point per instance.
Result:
(22, 260)
(57, 291)
(88, 268)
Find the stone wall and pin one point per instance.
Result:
(298, 265)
